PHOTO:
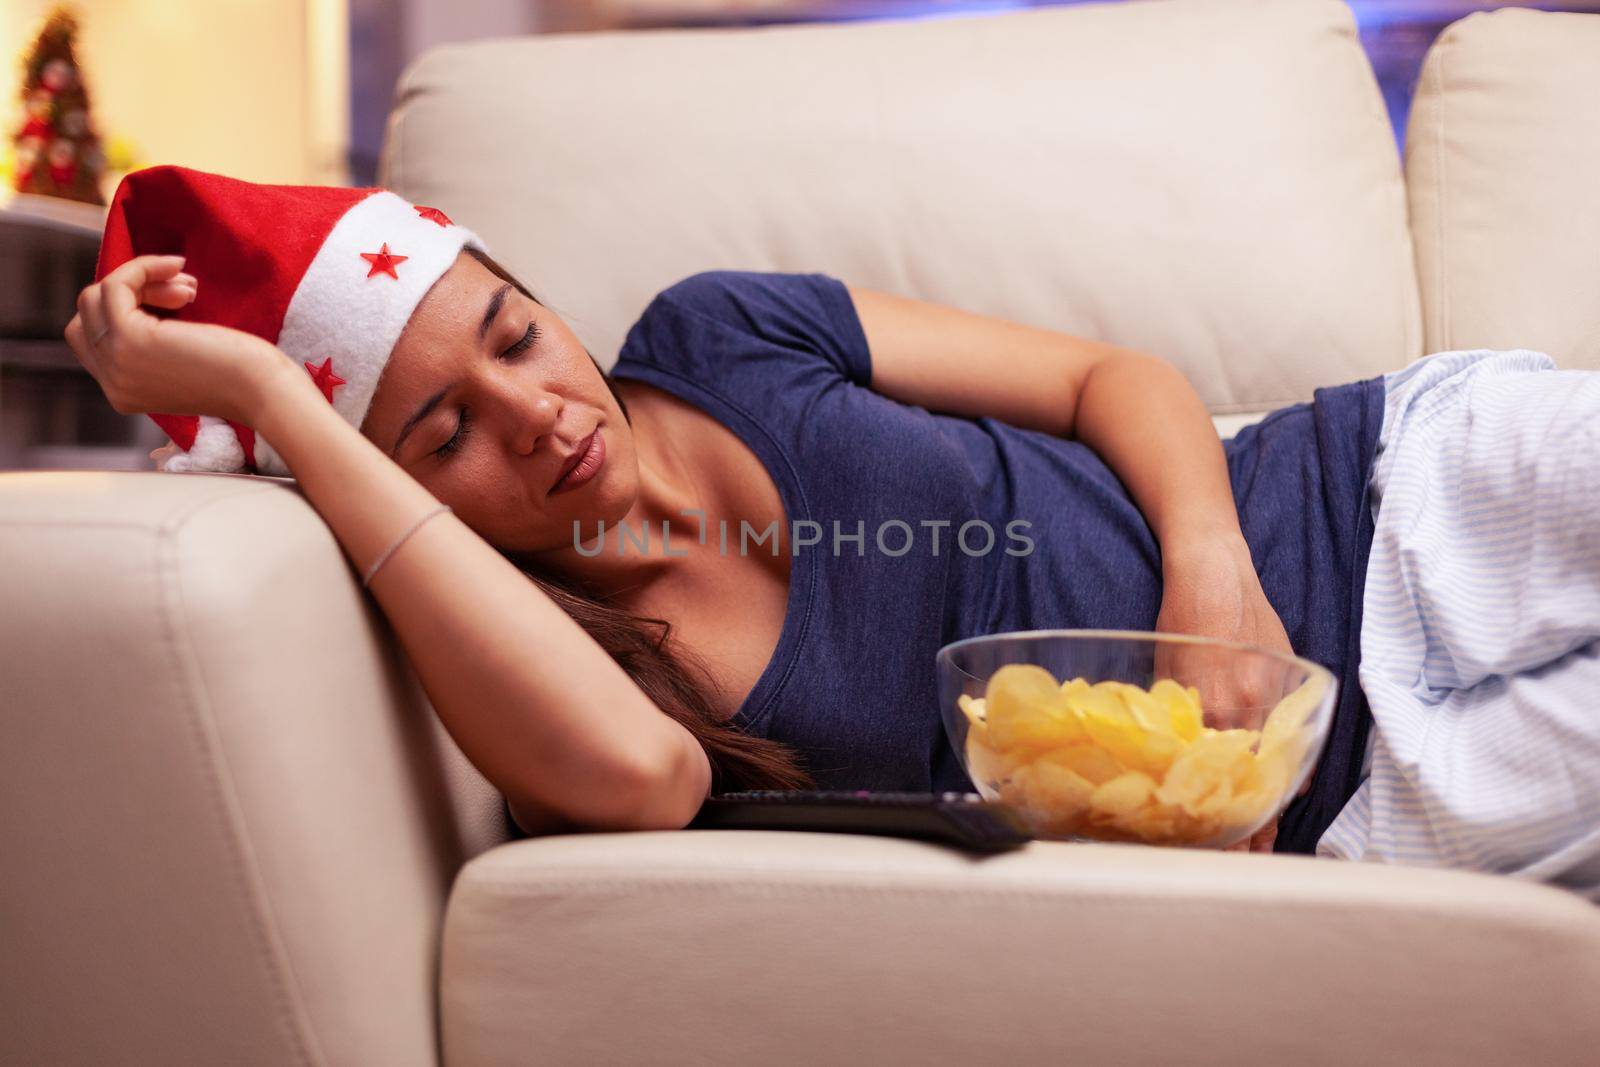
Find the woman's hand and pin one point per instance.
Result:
(1210, 589)
(145, 364)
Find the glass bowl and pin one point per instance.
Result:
(1211, 746)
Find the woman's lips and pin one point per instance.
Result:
(591, 456)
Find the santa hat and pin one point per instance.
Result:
(330, 275)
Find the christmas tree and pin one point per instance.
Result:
(57, 152)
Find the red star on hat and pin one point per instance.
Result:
(325, 378)
(433, 214)
(383, 261)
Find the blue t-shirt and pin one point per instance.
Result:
(781, 360)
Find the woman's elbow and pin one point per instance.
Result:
(664, 793)
(668, 795)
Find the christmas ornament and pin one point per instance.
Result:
(27, 154)
(39, 108)
(291, 264)
(58, 75)
(63, 161)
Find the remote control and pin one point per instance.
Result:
(964, 820)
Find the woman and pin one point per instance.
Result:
(804, 446)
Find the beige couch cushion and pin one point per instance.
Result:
(1214, 181)
(754, 947)
(1503, 162)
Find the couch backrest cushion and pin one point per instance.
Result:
(1503, 163)
(1214, 181)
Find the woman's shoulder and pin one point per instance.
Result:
(754, 298)
(711, 322)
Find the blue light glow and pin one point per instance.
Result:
(946, 9)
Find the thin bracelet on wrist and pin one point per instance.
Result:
(366, 579)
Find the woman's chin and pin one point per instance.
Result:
(591, 504)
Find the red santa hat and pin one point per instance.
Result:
(330, 275)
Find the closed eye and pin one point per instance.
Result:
(463, 428)
(529, 339)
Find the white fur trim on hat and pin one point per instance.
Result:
(343, 312)
(215, 448)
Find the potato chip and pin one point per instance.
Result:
(1122, 795)
(1182, 707)
(1117, 735)
(1144, 709)
(983, 763)
(1284, 733)
(1026, 709)
(1094, 765)
(1061, 786)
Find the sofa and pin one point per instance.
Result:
(234, 832)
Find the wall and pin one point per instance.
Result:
(386, 35)
(256, 89)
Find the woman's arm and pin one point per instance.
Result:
(530, 698)
(536, 705)
(1137, 412)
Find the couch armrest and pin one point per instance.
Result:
(740, 947)
(228, 818)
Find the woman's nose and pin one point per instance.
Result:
(533, 415)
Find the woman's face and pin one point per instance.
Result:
(485, 400)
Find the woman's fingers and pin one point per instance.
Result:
(124, 286)
(171, 294)
(112, 334)
(159, 456)
(91, 315)
(108, 303)
(105, 303)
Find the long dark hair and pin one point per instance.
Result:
(674, 678)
